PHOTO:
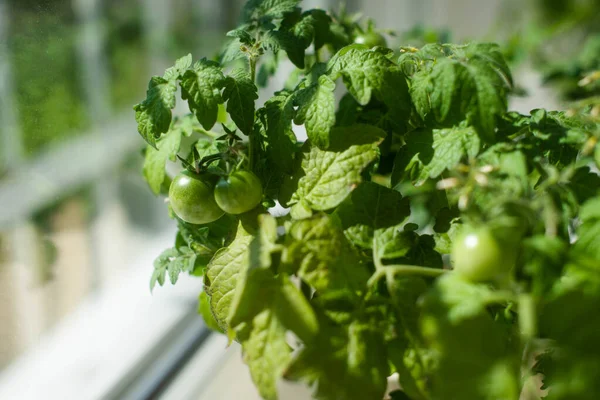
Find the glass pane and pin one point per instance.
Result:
(78, 215)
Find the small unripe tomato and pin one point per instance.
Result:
(240, 192)
(371, 39)
(478, 256)
(192, 200)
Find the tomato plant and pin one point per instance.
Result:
(240, 192)
(419, 166)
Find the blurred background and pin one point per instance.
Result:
(79, 228)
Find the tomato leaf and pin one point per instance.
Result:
(222, 274)
(325, 178)
(277, 116)
(368, 72)
(344, 363)
(172, 262)
(370, 207)
(457, 83)
(428, 153)
(268, 9)
(155, 160)
(476, 356)
(206, 313)
(320, 254)
(240, 93)
(264, 307)
(317, 111)
(201, 86)
(153, 115)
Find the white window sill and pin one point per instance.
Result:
(108, 338)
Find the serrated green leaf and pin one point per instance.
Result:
(588, 240)
(420, 89)
(172, 262)
(390, 243)
(232, 51)
(201, 86)
(205, 312)
(241, 93)
(222, 274)
(181, 65)
(489, 98)
(256, 285)
(303, 29)
(318, 252)
(281, 140)
(404, 246)
(428, 153)
(155, 160)
(268, 9)
(590, 210)
(295, 34)
(205, 147)
(243, 34)
(264, 308)
(348, 111)
(321, 23)
(288, 42)
(367, 72)
(406, 351)
(568, 367)
(347, 363)
(326, 178)
(206, 239)
(462, 82)
(544, 258)
(153, 115)
(476, 357)
(266, 352)
(317, 111)
(370, 207)
(584, 184)
(260, 290)
(446, 80)
(361, 68)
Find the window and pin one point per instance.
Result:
(78, 227)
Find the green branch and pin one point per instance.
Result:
(390, 271)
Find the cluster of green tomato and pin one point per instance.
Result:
(204, 197)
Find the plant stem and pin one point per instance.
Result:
(251, 138)
(389, 271)
(210, 134)
(208, 159)
(251, 156)
(252, 61)
(527, 319)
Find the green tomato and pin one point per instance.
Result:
(478, 256)
(240, 192)
(371, 39)
(191, 197)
